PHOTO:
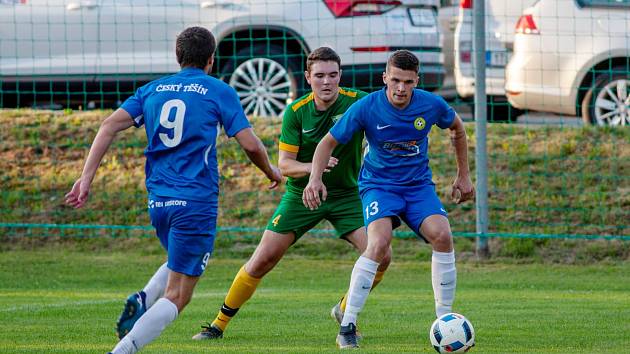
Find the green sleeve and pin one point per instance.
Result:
(291, 131)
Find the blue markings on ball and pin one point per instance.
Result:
(454, 346)
(448, 317)
(437, 334)
(467, 331)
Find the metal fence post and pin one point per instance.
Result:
(481, 163)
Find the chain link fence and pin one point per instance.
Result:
(557, 83)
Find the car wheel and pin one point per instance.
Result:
(607, 102)
(265, 80)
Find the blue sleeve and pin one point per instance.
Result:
(447, 116)
(350, 123)
(233, 118)
(133, 106)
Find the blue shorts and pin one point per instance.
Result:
(411, 204)
(186, 230)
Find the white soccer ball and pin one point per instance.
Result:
(452, 333)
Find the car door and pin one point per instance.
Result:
(138, 36)
(48, 37)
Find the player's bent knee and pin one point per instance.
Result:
(377, 250)
(442, 240)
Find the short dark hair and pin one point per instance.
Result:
(404, 60)
(194, 47)
(322, 54)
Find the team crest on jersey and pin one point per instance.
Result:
(419, 123)
(337, 117)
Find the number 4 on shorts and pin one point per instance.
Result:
(276, 220)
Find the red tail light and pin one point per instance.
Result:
(371, 49)
(526, 25)
(465, 4)
(465, 57)
(349, 8)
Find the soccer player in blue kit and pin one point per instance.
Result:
(182, 115)
(395, 182)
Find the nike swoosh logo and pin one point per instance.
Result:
(381, 127)
(443, 210)
(363, 287)
(304, 131)
(449, 283)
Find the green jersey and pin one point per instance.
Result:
(303, 126)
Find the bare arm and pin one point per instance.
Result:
(462, 187)
(112, 125)
(315, 186)
(257, 154)
(291, 167)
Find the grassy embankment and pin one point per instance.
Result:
(542, 181)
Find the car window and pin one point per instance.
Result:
(604, 3)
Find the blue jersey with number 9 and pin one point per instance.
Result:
(182, 115)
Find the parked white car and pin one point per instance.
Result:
(448, 16)
(500, 17)
(102, 49)
(573, 57)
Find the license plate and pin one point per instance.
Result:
(496, 58)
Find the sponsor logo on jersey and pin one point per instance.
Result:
(402, 148)
(381, 127)
(304, 131)
(336, 118)
(168, 203)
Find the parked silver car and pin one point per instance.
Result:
(573, 57)
(500, 16)
(73, 51)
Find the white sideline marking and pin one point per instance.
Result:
(36, 307)
(39, 307)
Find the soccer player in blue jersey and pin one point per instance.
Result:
(395, 181)
(182, 115)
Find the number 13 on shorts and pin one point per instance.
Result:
(371, 210)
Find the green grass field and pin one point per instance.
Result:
(66, 300)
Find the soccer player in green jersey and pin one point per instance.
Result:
(305, 122)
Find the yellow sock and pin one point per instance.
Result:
(377, 279)
(243, 287)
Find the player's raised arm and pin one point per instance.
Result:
(462, 186)
(112, 125)
(257, 154)
(315, 186)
